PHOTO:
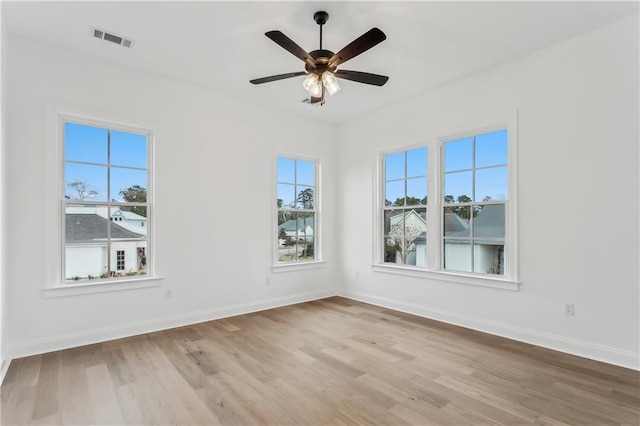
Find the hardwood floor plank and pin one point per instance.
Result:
(106, 409)
(328, 362)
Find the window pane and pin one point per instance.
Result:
(130, 183)
(128, 149)
(456, 222)
(417, 162)
(128, 258)
(286, 196)
(491, 184)
(305, 197)
(458, 187)
(458, 154)
(491, 148)
(394, 166)
(394, 193)
(85, 143)
(286, 170)
(489, 223)
(390, 254)
(457, 255)
(305, 173)
(85, 231)
(488, 258)
(416, 191)
(84, 182)
(296, 236)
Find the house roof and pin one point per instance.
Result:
(296, 224)
(488, 224)
(91, 227)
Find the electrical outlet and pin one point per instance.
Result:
(568, 309)
(168, 293)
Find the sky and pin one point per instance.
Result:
(294, 176)
(125, 152)
(488, 156)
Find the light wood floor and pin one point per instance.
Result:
(333, 361)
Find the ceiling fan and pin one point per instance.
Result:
(321, 65)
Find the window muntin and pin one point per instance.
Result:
(405, 208)
(105, 186)
(297, 210)
(474, 203)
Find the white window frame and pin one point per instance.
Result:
(434, 269)
(56, 285)
(277, 265)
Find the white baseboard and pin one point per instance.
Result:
(72, 340)
(580, 348)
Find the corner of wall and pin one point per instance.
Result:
(4, 358)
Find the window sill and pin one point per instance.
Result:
(299, 266)
(459, 278)
(102, 287)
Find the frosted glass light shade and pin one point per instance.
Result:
(313, 85)
(330, 82)
(310, 81)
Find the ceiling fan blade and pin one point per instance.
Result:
(276, 77)
(290, 46)
(362, 77)
(363, 43)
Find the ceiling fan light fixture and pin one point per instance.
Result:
(330, 82)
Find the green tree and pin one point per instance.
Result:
(82, 189)
(135, 194)
(305, 199)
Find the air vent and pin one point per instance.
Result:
(103, 35)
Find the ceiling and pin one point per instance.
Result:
(221, 45)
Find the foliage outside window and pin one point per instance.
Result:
(475, 182)
(297, 210)
(405, 208)
(105, 203)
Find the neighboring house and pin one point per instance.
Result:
(408, 232)
(488, 242)
(297, 229)
(130, 220)
(86, 233)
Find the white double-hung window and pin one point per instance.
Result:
(297, 211)
(105, 201)
(466, 231)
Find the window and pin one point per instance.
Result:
(465, 231)
(297, 210)
(120, 260)
(105, 199)
(405, 207)
(474, 205)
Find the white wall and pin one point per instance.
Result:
(577, 105)
(214, 159)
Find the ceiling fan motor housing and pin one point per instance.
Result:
(321, 57)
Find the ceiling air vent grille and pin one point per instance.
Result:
(103, 35)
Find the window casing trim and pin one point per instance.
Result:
(434, 268)
(56, 115)
(317, 262)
